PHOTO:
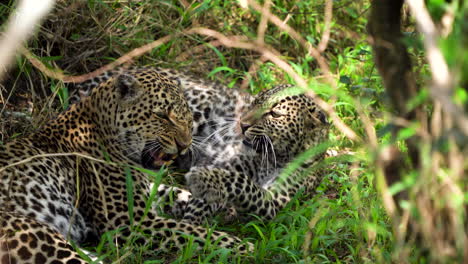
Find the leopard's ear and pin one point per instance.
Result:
(128, 87)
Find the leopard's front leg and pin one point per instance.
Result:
(223, 186)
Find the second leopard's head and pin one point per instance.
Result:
(283, 122)
(151, 121)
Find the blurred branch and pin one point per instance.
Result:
(20, 27)
(262, 26)
(394, 65)
(434, 221)
(390, 55)
(322, 46)
(442, 79)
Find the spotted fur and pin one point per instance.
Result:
(278, 126)
(134, 118)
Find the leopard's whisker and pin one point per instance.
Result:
(195, 151)
(225, 119)
(265, 152)
(272, 149)
(222, 128)
(219, 135)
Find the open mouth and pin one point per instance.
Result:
(155, 159)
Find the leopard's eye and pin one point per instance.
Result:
(276, 114)
(162, 115)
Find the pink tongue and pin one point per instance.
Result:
(160, 158)
(157, 159)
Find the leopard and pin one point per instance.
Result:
(250, 140)
(71, 179)
(215, 110)
(280, 124)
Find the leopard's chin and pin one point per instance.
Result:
(259, 146)
(247, 143)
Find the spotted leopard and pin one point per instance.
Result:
(70, 178)
(261, 178)
(216, 110)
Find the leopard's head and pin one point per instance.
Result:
(283, 122)
(145, 115)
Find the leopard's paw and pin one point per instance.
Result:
(230, 215)
(207, 184)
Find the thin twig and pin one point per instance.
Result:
(198, 49)
(296, 36)
(322, 46)
(57, 73)
(262, 26)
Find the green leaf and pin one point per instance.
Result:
(407, 132)
(157, 178)
(219, 69)
(220, 55)
(461, 95)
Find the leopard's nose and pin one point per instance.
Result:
(183, 146)
(323, 118)
(244, 127)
